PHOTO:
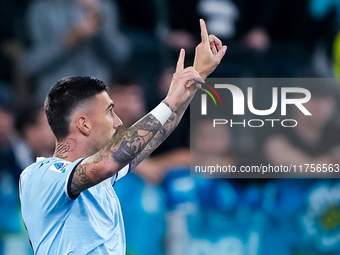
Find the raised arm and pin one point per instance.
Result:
(209, 54)
(125, 147)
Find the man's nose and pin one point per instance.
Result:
(117, 122)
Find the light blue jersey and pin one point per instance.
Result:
(59, 225)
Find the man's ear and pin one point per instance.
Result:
(83, 124)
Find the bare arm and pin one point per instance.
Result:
(115, 155)
(208, 56)
(137, 142)
(125, 147)
(165, 131)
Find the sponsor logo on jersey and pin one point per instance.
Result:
(59, 166)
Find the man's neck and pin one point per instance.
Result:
(69, 149)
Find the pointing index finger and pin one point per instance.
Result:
(180, 61)
(204, 32)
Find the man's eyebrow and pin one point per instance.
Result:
(110, 106)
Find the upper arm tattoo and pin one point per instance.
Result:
(81, 180)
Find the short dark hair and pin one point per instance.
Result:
(65, 96)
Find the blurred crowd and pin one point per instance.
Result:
(133, 46)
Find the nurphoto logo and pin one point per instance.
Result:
(295, 96)
(254, 128)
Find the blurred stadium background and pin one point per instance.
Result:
(133, 46)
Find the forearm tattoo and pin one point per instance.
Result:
(134, 140)
(166, 130)
(164, 102)
(132, 146)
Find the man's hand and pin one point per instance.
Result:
(183, 87)
(208, 53)
(179, 90)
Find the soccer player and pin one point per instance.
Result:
(68, 203)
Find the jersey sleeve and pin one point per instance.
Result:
(124, 171)
(49, 182)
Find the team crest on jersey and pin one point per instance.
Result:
(59, 166)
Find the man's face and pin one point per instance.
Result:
(104, 121)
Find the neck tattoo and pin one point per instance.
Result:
(65, 147)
